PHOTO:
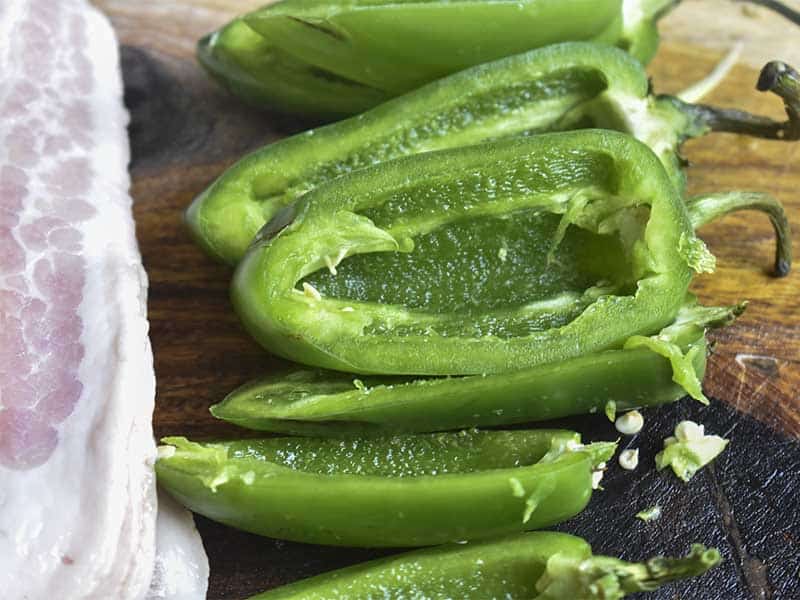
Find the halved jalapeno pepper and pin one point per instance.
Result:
(540, 565)
(483, 259)
(566, 86)
(325, 403)
(405, 490)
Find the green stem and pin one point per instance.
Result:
(778, 7)
(783, 80)
(607, 578)
(776, 77)
(773, 5)
(710, 207)
(655, 9)
(648, 576)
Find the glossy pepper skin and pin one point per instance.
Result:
(540, 565)
(483, 259)
(261, 74)
(406, 490)
(323, 403)
(566, 86)
(344, 57)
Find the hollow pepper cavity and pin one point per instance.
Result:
(403, 490)
(478, 260)
(566, 86)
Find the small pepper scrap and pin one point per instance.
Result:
(562, 87)
(529, 566)
(689, 450)
(390, 491)
(599, 246)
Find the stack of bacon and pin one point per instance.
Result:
(77, 490)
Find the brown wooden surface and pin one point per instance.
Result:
(185, 132)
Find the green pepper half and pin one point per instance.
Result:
(483, 259)
(567, 86)
(332, 404)
(398, 46)
(333, 59)
(540, 565)
(405, 490)
(338, 58)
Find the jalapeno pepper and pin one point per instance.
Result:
(370, 41)
(384, 48)
(482, 259)
(567, 86)
(324, 403)
(405, 490)
(334, 59)
(539, 565)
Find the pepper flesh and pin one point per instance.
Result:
(406, 490)
(329, 404)
(599, 244)
(263, 75)
(540, 565)
(368, 40)
(567, 86)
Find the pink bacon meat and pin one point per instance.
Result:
(77, 491)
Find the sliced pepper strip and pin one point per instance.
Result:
(321, 57)
(626, 240)
(370, 41)
(331, 404)
(388, 491)
(540, 565)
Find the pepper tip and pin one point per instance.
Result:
(782, 267)
(768, 78)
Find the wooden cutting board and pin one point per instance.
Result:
(185, 131)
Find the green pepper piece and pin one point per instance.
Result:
(598, 247)
(567, 86)
(394, 46)
(370, 41)
(328, 404)
(540, 565)
(262, 74)
(406, 490)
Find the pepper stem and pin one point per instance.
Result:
(776, 77)
(648, 576)
(607, 578)
(778, 7)
(710, 207)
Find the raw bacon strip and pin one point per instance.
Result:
(181, 571)
(77, 493)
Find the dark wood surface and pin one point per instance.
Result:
(184, 132)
